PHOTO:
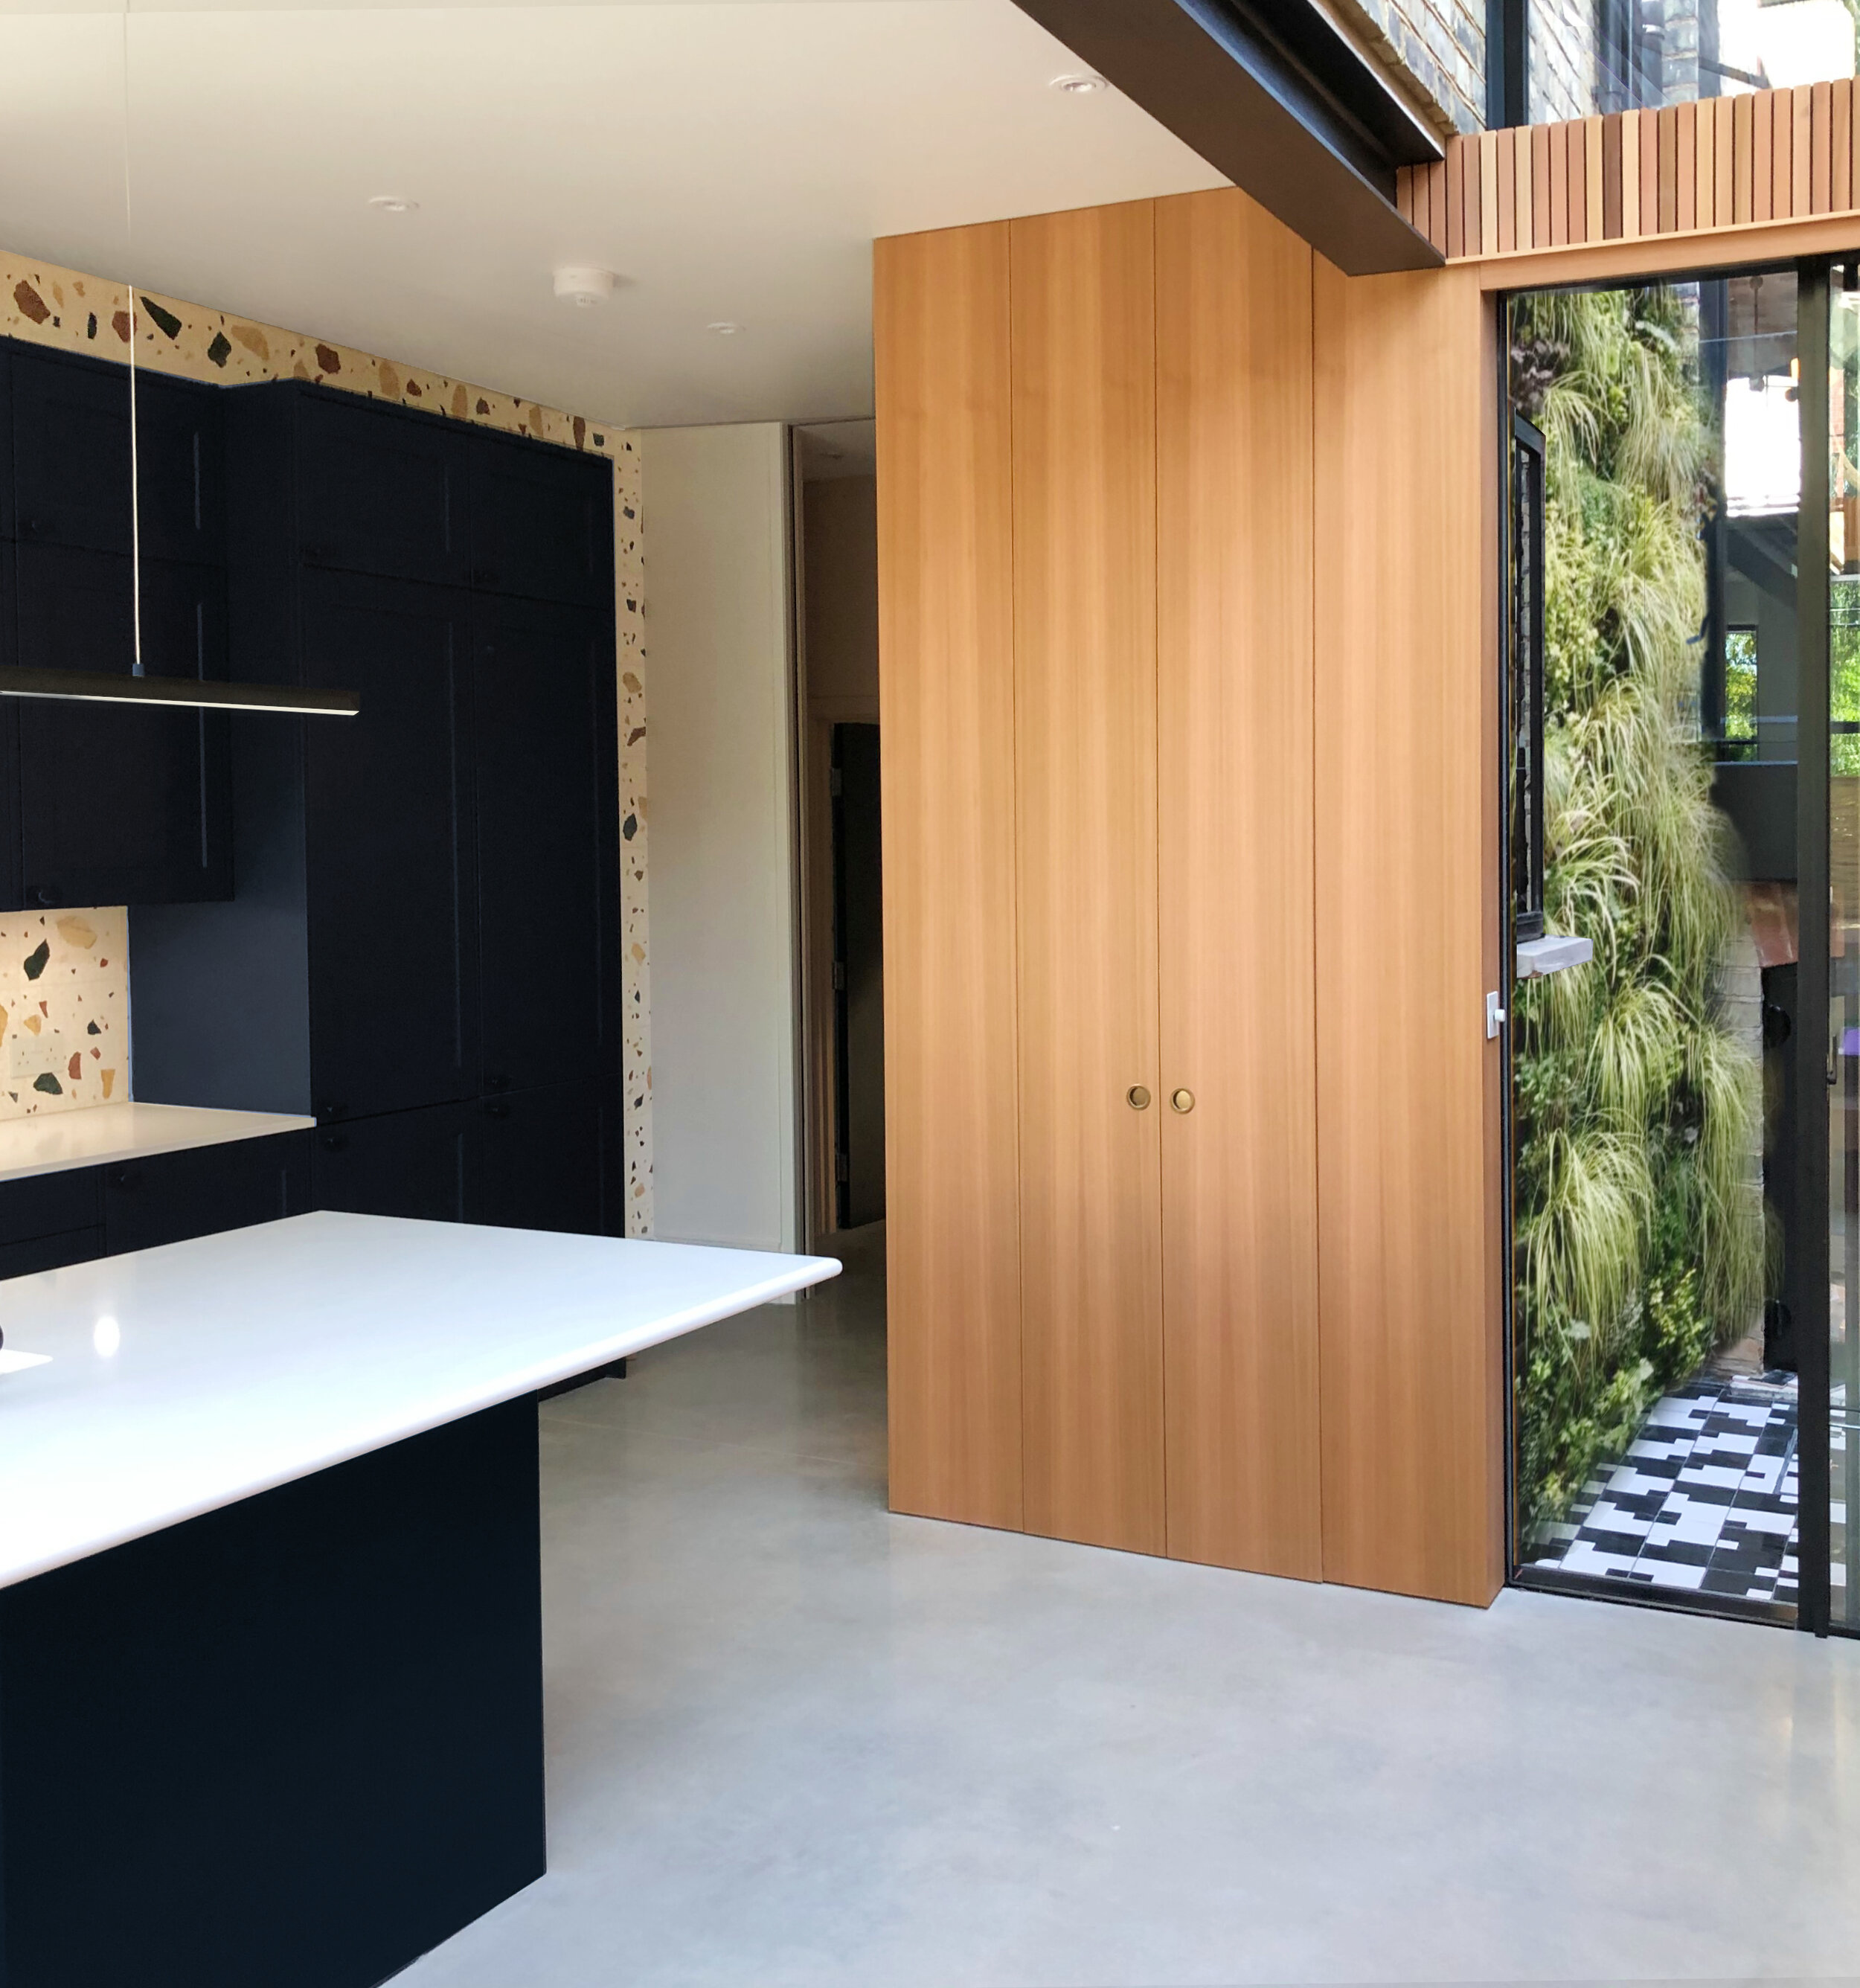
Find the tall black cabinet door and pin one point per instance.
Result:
(539, 1162)
(121, 804)
(393, 891)
(546, 750)
(71, 458)
(380, 492)
(415, 1164)
(543, 523)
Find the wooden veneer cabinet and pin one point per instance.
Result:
(1104, 533)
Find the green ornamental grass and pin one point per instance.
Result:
(1639, 1224)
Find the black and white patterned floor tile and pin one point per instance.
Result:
(1705, 1498)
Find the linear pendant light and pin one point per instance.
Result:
(172, 693)
(104, 687)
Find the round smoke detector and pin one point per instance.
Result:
(584, 286)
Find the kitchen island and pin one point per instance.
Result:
(270, 1619)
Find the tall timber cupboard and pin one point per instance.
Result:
(1100, 500)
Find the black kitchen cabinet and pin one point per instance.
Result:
(381, 490)
(50, 1252)
(49, 1220)
(71, 453)
(180, 470)
(41, 1204)
(100, 804)
(392, 888)
(538, 1160)
(415, 1164)
(545, 786)
(543, 523)
(426, 916)
(118, 804)
(170, 1197)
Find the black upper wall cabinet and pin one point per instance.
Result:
(120, 805)
(101, 805)
(540, 529)
(379, 491)
(71, 459)
(424, 948)
(71, 455)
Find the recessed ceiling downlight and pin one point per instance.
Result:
(1080, 82)
(394, 202)
(724, 328)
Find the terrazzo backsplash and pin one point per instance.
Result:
(64, 1010)
(45, 305)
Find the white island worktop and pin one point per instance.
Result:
(108, 1135)
(184, 1378)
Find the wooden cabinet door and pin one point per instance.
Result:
(1085, 442)
(393, 892)
(542, 522)
(946, 773)
(381, 491)
(543, 679)
(1234, 703)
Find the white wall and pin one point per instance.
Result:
(718, 645)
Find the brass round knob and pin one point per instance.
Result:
(1182, 1100)
(1137, 1096)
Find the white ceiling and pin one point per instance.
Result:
(732, 159)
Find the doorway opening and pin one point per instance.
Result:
(1659, 658)
(842, 993)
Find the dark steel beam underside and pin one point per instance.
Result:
(1275, 100)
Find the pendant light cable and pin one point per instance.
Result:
(135, 480)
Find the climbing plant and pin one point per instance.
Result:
(1639, 1222)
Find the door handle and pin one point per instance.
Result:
(1182, 1101)
(1137, 1098)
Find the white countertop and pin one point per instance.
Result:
(104, 1135)
(184, 1378)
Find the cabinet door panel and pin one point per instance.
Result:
(542, 523)
(1084, 337)
(1234, 541)
(393, 888)
(380, 492)
(50, 1252)
(537, 1160)
(173, 1196)
(71, 452)
(544, 683)
(118, 804)
(946, 688)
(415, 1164)
(49, 1204)
(180, 470)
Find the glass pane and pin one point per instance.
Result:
(1655, 1409)
(1602, 56)
(1844, 928)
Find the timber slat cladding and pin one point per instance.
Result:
(1689, 169)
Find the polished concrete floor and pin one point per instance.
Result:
(794, 1740)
